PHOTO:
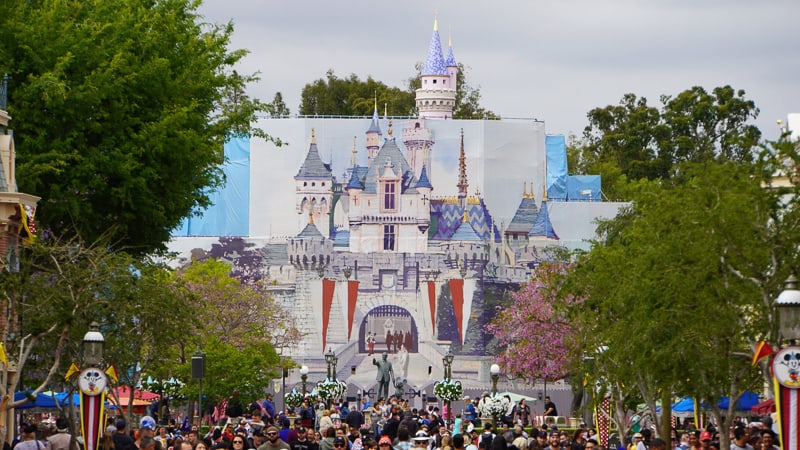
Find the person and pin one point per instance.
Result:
(340, 443)
(522, 413)
(403, 439)
(487, 437)
(371, 343)
(385, 374)
(658, 444)
(549, 407)
(106, 441)
(325, 421)
(385, 443)
(470, 411)
(274, 441)
(122, 440)
(354, 419)
(644, 442)
(147, 443)
(768, 441)
(740, 439)
(60, 440)
(239, 442)
(268, 408)
(28, 439)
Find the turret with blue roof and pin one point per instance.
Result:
(543, 228)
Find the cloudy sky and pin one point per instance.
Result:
(553, 60)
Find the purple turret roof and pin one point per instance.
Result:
(543, 227)
(423, 181)
(451, 59)
(374, 127)
(434, 64)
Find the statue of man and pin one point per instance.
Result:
(385, 375)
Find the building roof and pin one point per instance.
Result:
(465, 232)
(375, 127)
(446, 218)
(451, 59)
(355, 179)
(434, 63)
(313, 167)
(525, 216)
(423, 181)
(391, 154)
(310, 232)
(543, 227)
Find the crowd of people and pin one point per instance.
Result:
(386, 424)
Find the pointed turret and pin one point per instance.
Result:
(314, 187)
(423, 181)
(436, 97)
(373, 134)
(465, 232)
(462, 175)
(543, 228)
(450, 62)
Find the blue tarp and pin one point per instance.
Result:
(745, 402)
(47, 400)
(556, 167)
(583, 188)
(230, 213)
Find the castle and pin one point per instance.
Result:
(429, 222)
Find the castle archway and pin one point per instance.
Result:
(389, 318)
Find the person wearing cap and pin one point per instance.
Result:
(385, 443)
(274, 441)
(60, 440)
(340, 443)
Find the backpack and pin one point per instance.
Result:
(487, 437)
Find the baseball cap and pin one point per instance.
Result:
(338, 440)
(637, 435)
(272, 430)
(705, 436)
(385, 441)
(148, 423)
(301, 430)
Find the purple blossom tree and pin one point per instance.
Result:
(533, 332)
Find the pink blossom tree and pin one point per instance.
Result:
(536, 338)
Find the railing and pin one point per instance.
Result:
(4, 93)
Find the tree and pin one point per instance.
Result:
(121, 108)
(61, 287)
(534, 324)
(642, 141)
(681, 284)
(278, 108)
(334, 96)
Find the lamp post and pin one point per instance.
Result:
(92, 383)
(447, 362)
(304, 377)
(329, 357)
(494, 370)
(784, 364)
(198, 372)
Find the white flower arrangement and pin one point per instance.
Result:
(493, 406)
(331, 389)
(448, 390)
(293, 399)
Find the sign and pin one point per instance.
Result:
(786, 367)
(92, 381)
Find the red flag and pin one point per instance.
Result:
(432, 303)
(763, 350)
(328, 287)
(457, 291)
(352, 296)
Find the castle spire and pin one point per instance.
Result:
(462, 174)
(434, 63)
(355, 152)
(313, 137)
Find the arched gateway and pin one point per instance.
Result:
(392, 322)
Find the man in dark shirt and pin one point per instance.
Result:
(302, 442)
(122, 440)
(549, 407)
(354, 419)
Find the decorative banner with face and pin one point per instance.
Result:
(92, 381)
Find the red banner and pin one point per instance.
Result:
(92, 419)
(432, 303)
(352, 296)
(457, 291)
(328, 287)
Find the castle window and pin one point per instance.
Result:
(389, 197)
(323, 184)
(305, 183)
(313, 183)
(389, 237)
(434, 81)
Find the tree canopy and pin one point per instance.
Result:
(681, 284)
(120, 109)
(634, 140)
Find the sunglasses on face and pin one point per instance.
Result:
(338, 445)
(238, 442)
(272, 433)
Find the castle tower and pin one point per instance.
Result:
(314, 189)
(451, 64)
(373, 135)
(419, 143)
(462, 175)
(436, 97)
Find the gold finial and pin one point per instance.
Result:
(544, 194)
(435, 20)
(385, 109)
(466, 216)
(313, 137)
(311, 215)
(390, 127)
(524, 189)
(376, 99)
(449, 37)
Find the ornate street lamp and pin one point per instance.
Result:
(788, 307)
(447, 361)
(494, 370)
(304, 377)
(93, 345)
(331, 360)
